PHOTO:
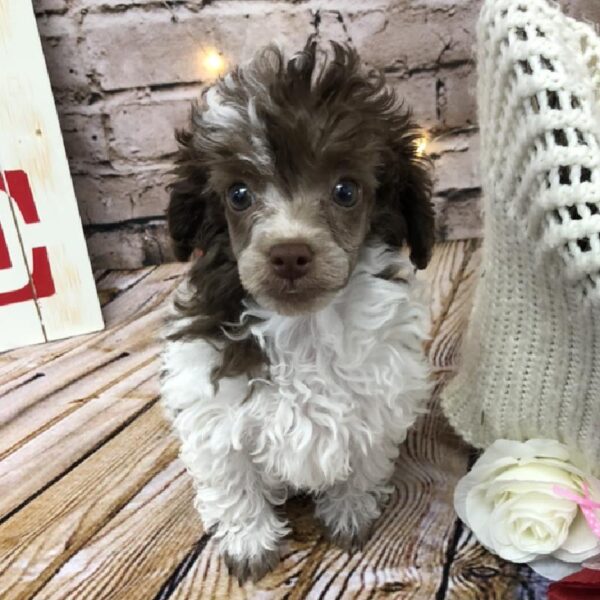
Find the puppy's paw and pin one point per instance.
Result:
(251, 548)
(351, 541)
(251, 568)
(348, 516)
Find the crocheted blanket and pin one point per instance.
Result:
(539, 111)
(531, 355)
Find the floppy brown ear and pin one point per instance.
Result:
(403, 211)
(188, 214)
(418, 212)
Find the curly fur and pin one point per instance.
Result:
(305, 119)
(343, 386)
(269, 400)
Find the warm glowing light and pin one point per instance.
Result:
(212, 63)
(422, 144)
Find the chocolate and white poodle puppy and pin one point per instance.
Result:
(294, 357)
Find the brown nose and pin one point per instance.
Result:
(290, 261)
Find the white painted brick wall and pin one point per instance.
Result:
(124, 73)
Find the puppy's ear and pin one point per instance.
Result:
(403, 210)
(189, 207)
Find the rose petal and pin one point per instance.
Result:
(581, 543)
(541, 448)
(461, 492)
(493, 462)
(569, 467)
(482, 472)
(477, 516)
(502, 541)
(553, 569)
(498, 488)
(538, 523)
(530, 450)
(538, 473)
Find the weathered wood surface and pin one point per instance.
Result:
(48, 258)
(95, 503)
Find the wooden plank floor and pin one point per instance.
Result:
(95, 504)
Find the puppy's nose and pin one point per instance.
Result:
(290, 261)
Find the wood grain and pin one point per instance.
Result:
(114, 283)
(135, 298)
(72, 374)
(44, 534)
(41, 410)
(51, 449)
(103, 509)
(47, 427)
(442, 277)
(453, 303)
(132, 555)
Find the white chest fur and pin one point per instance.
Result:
(344, 382)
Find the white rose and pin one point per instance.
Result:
(509, 501)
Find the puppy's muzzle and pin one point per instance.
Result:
(291, 261)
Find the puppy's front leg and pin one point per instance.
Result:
(232, 496)
(348, 515)
(349, 509)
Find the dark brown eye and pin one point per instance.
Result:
(239, 196)
(345, 193)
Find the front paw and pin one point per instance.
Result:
(351, 540)
(251, 568)
(348, 517)
(252, 550)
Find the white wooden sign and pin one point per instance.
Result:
(47, 289)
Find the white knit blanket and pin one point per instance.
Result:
(531, 355)
(540, 116)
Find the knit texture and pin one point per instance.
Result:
(531, 354)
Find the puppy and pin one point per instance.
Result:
(294, 357)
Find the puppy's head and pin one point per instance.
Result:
(297, 164)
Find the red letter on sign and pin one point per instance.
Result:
(41, 275)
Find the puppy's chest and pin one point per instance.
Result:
(330, 392)
(324, 363)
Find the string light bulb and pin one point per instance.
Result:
(422, 144)
(212, 63)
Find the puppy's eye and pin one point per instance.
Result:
(345, 193)
(239, 196)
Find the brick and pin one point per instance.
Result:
(40, 6)
(458, 170)
(460, 97)
(332, 27)
(419, 95)
(457, 142)
(248, 6)
(459, 217)
(130, 246)
(103, 55)
(66, 57)
(85, 137)
(120, 196)
(123, 5)
(446, 5)
(147, 130)
(406, 38)
(170, 7)
(144, 49)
